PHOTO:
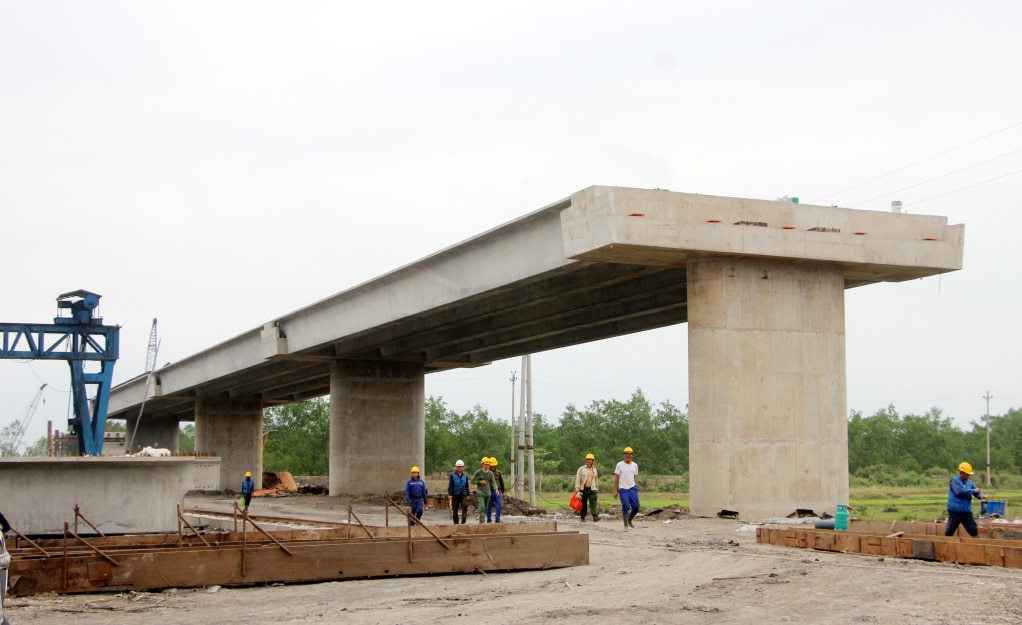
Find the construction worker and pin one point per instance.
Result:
(247, 488)
(497, 498)
(485, 484)
(587, 480)
(624, 485)
(416, 494)
(5, 561)
(458, 492)
(959, 502)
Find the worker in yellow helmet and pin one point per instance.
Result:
(497, 497)
(416, 494)
(624, 485)
(587, 486)
(247, 488)
(959, 502)
(485, 485)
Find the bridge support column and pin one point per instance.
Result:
(767, 398)
(166, 433)
(234, 430)
(377, 425)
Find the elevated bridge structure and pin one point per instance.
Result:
(760, 284)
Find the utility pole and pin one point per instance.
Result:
(520, 464)
(531, 441)
(513, 442)
(988, 397)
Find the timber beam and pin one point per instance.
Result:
(150, 562)
(939, 548)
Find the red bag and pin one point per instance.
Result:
(576, 502)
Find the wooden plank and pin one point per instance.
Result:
(923, 550)
(976, 551)
(148, 568)
(315, 533)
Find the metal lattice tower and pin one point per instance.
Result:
(150, 359)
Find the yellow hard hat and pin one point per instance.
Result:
(493, 461)
(415, 469)
(485, 460)
(248, 474)
(965, 467)
(628, 450)
(590, 457)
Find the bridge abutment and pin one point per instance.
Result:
(377, 425)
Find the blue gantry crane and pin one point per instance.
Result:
(79, 338)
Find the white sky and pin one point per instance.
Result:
(218, 164)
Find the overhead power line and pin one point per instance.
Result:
(950, 173)
(928, 158)
(933, 197)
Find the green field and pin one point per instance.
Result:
(868, 502)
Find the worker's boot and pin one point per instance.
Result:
(596, 518)
(630, 517)
(624, 518)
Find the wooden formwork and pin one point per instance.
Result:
(982, 551)
(76, 564)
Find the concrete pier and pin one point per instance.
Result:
(377, 425)
(767, 397)
(165, 433)
(234, 430)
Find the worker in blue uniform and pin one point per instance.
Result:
(416, 494)
(458, 492)
(959, 502)
(247, 488)
(5, 561)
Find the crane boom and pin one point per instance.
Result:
(19, 434)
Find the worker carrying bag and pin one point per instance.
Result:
(576, 502)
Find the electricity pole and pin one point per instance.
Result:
(988, 397)
(527, 381)
(520, 464)
(513, 445)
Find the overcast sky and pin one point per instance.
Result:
(219, 164)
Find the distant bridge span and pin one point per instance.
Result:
(761, 284)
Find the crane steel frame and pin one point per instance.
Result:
(78, 339)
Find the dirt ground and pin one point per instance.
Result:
(683, 570)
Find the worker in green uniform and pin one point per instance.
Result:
(485, 484)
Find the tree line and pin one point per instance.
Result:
(885, 447)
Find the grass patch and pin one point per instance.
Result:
(554, 501)
(868, 502)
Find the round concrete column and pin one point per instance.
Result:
(767, 398)
(234, 430)
(377, 425)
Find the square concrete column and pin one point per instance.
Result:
(377, 425)
(165, 433)
(233, 428)
(767, 398)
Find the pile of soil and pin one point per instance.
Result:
(517, 507)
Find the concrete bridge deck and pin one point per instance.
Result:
(748, 275)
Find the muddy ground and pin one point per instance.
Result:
(681, 570)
